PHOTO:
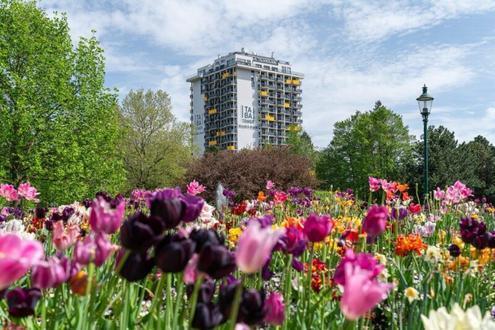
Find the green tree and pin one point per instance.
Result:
(373, 143)
(300, 143)
(58, 123)
(156, 146)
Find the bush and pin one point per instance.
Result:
(247, 171)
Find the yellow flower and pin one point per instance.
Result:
(234, 234)
(411, 294)
(458, 241)
(381, 258)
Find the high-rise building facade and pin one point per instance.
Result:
(244, 100)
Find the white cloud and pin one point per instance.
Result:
(468, 127)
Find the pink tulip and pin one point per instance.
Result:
(191, 270)
(255, 246)
(64, 237)
(195, 188)
(361, 294)
(275, 309)
(270, 185)
(316, 228)
(364, 261)
(17, 255)
(279, 197)
(94, 248)
(28, 192)
(375, 221)
(8, 192)
(50, 273)
(374, 183)
(105, 218)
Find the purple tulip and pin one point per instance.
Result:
(316, 228)
(193, 207)
(252, 308)
(50, 273)
(365, 261)
(207, 316)
(375, 222)
(454, 250)
(104, 218)
(274, 309)
(173, 253)
(216, 261)
(22, 302)
(136, 266)
(140, 232)
(203, 237)
(169, 211)
(94, 248)
(398, 213)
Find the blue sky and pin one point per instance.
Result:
(351, 52)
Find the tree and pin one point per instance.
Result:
(374, 143)
(156, 146)
(58, 123)
(300, 143)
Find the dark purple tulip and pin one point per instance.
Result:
(193, 207)
(203, 237)
(207, 316)
(266, 273)
(173, 253)
(398, 214)
(136, 267)
(67, 213)
(454, 250)
(292, 242)
(226, 297)
(481, 241)
(216, 261)
(206, 291)
(297, 265)
(168, 210)
(2, 293)
(40, 212)
(252, 309)
(491, 240)
(22, 302)
(140, 232)
(2, 218)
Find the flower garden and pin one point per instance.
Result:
(296, 259)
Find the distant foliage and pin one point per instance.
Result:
(247, 171)
(58, 123)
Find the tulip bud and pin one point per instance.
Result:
(173, 253)
(22, 302)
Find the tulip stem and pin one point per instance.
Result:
(180, 291)
(194, 298)
(169, 301)
(158, 295)
(235, 304)
(307, 296)
(348, 325)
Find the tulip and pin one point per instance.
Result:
(140, 232)
(50, 273)
(105, 217)
(17, 255)
(64, 237)
(192, 209)
(361, 294)
(207, 316)
(398, 213)
(195, 188)
(374, 184)
(191, 270)
(375, 221)
(454, 250)
(79, 283)
(316, 228)
(216, 261)
(136, 266)
(252, 308)
(364, 261)
(274, 309)
(255, 247)
(27, 191)
(293, 241)
(205, 293)
(173, 253)
(203, 237)
(22, 302)
(169, 211)
(95, 248)
(8, 192)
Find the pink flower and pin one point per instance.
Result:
(50, 273)
(255, 246)
(191, 270)
(94, 248)
(17, 255)
(363, 260)
(279, 197)
(439, 194)
(104, 217)
(270, 185)
(194, 188)
(375, 221)
(274, 309)
(374, 183)
(64, 238)
(8, 192)
(316, 228)
(361, 294)
(28, 192)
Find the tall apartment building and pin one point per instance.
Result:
(244, 100)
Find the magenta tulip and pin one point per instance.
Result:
(361, 294)
(375, 221)
(255, 247)
(8, 192)
(275, 309)
(28, 192)
(104, 218)
(17, 255)
(50, 273)
(316, 228)
(95, 249)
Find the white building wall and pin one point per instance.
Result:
(247, 111)
(198, 117)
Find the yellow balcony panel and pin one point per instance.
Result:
(288, 81)
(264, 93)
(212, 111)
(226, 75)
(296, 82)
(212, 143)
(230, 147)
(286, 105)
(269, 118)
(205, 98)
(220, 133)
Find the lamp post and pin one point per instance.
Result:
(424, 102)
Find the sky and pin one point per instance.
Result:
(352, 52)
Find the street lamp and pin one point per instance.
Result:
(424, 102)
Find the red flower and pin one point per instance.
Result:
(239, 209)
(414, 208)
